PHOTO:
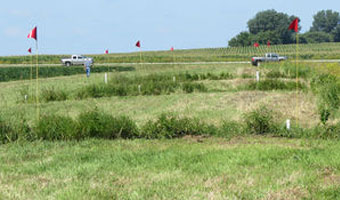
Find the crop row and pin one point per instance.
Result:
(24, 73)
(305, 51)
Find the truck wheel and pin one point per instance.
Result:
(68, 64)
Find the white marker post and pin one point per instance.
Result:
(25, 97)
(257, 76)
(105, 78)
(139, 88)
(288, 124)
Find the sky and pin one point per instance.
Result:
(92, 26)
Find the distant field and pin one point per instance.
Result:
(306, 51)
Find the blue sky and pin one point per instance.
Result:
(91, 26)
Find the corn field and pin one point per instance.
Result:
(304, 51)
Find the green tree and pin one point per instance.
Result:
(325, 21)
(336, 34)
(266, 26)
(241, 40)
(264, 37)
(317, 37)
(277, 23)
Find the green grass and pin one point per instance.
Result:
(194, 167)
(223, 101)
(26, 72)
(189, 168)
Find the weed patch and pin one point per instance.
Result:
(272, 84)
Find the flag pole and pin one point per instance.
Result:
(140, 58)
(31, 77)
(297, 76)
(108, 68)
(173, 57)
(37, 81)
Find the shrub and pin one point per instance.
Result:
(159, 87)
(245, 76)
(272, 84)
(125, 127)
(331, 131)
(325, 113)
(260, 121)
(191, 87)
(150, 85)
(293, 71)
(51, 94)
(225, 76)
(327, 89)
(288, 70)
(14, 129)
(6, 131)
(97, 124)
(276, 74)
(100, 125)
(56, 127)
(230, 129)
(171, 126)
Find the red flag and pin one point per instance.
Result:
(172, 49)
(106, 51)
(256, 44)
(138, 44)
(294, 25)
(29, 50)
(33, 34)
(268, 43)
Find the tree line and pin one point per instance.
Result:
(271, 27)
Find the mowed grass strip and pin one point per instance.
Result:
(188, 168)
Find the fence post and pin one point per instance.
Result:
(257, 76)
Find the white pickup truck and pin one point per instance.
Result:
(269, 57)
(76, 60)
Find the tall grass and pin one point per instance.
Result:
(327, 88)
(155, 84)
(289, 70)
(171, 126)
(274, 84)
(13, 129)
(98, 124)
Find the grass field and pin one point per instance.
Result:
(194, 167)
(223, 101)
(189, 168)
